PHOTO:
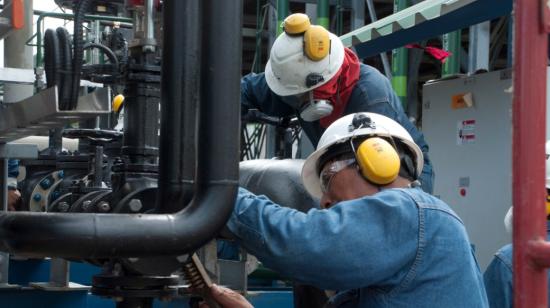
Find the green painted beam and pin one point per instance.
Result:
(323, 13)
(282, 12)
(400, 60)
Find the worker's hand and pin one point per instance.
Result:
(227, 298)
(14, 198)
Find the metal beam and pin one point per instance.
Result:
(424, 20)
(478, 53)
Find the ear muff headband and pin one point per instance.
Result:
(378, 161)
(316, 38)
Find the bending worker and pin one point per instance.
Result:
(379, 240)
(312, 76)
(498, 275)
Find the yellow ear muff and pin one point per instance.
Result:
(316, 43)
(378, 161)
(547, 205)
(296, 24)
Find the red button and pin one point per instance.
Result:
(463, 192)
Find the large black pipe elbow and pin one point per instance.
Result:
(215, 184)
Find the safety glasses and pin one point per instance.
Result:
(331, 169)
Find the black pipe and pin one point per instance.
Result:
(139, 235)
(180, 88)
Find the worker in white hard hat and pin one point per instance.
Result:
(311, 75)
(378, 238)
(498, 276)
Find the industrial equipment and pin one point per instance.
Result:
(468, 123)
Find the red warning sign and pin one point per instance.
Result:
(466, 132)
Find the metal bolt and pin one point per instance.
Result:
(37, 197)
(86, 205)
(104, 206)
(135, 205)
(46, 183)
(61, 174)
(63, 206)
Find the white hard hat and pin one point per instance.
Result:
(547, 164)
(288, 66)
(341, 131)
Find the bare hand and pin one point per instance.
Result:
(227, 298)
(14, 197)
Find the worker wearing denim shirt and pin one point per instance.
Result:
(498, 277)
(378, 239)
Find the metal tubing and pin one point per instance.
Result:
(43, 15)
(79, 235)
(323, 13)
(149, 24)
(529, 122)
(180, 91)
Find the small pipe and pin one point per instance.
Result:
(149, 24)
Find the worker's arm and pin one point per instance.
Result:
(354, 244)
(255, 94)
(498, 279)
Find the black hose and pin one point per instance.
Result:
(81, 8)
(65, 76)
(110, 54)
(51, 57)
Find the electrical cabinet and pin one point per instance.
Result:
(468, 124)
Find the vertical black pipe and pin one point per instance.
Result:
(220, 86)
(180, 94)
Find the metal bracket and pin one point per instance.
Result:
(40, 112)
(59, 278)
(19, 151)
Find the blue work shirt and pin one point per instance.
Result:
(397, 248)
(13, 172)
(372, 93)
(499, 279)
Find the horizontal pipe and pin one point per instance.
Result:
(142, 235)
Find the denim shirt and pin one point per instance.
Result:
(397, 248)
(498, 277)
(13, 172)
(372, 93)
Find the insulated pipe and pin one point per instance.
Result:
(528, 160)
(139, 235)
(180, 88)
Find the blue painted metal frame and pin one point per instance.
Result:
(474, 13)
